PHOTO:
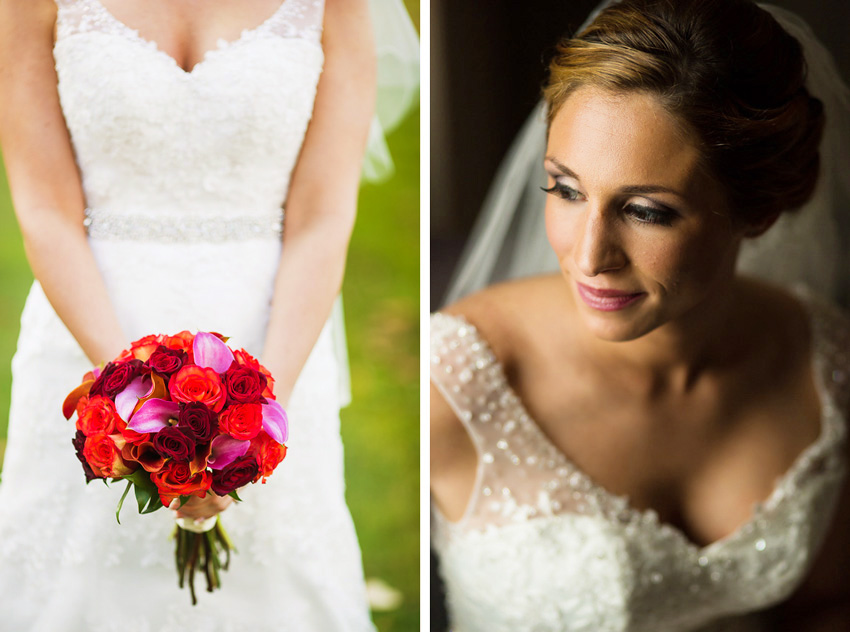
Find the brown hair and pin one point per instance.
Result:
(728, 71)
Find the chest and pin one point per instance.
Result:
(701, 459)
(186, 30)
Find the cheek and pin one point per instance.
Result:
(559, 230)
(688, 264)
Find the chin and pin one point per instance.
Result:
(619, 326)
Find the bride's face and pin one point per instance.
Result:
(642, 233)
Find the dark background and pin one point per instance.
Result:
(487, 67)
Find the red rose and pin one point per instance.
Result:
(115, 377)
(200, 419)
(244, 384)
(241, 421)
(79, 442)
(268, 453)
(144, 347)
(167, 361)
(175, 443)
(104, 457)
(241, 472)
(99, 417)
(176, 479)
(197, 384)
(246, 359)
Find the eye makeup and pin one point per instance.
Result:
(639, 213)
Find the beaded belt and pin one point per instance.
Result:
(104, 224)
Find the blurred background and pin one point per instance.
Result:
(487, 69)
(381, 427)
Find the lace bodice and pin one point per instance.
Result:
(542, 547)
(151, 139)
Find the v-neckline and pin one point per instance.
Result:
(222, 44)
(627, 511)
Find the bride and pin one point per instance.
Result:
(150, 147)
(647, 439)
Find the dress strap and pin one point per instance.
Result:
(298, 18)
(515, 463)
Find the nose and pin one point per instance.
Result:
(597, 248)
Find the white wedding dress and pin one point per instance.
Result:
(543, 548)
(184, 174)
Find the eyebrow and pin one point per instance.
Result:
(634, 188)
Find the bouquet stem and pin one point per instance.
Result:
(201, 552)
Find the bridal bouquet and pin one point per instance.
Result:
(175, 417)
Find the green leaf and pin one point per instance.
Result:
(143, 497)
(153, 504)
(147, 495)
(235, 496)
(121, 502)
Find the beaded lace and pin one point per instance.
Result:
(542, 547)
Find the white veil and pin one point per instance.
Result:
(811, 246)
(397, 52)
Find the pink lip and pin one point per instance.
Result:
(607, 300)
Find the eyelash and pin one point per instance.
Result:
(640, 213)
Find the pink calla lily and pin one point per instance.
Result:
(153, 415)
(126, 400)
(225, 450)
(211, 353)
(275, 421)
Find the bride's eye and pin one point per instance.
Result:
(563, 191)
(648, 215)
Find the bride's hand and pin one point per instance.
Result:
(201, 508)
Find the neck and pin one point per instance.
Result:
(674, 355)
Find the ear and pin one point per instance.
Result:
(758, 229)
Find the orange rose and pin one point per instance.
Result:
(197, 384)
(268, 453)
(182, 341)
(99, 417)
(176, 479)
(81, 405)
(246, 359)
(241, 421)
(131, 436)
(144, 347)
(125, 356)
(104, 457)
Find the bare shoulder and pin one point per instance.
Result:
(29, 13)
(509, 315)
(778, 321)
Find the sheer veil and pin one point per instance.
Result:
(810, 247)
(397, 52)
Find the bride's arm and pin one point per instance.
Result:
(322, 200)
(44, 181)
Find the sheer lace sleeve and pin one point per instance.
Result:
(518, 469)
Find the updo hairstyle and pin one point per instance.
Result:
(728, 72)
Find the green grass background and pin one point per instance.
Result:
(381, 427)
